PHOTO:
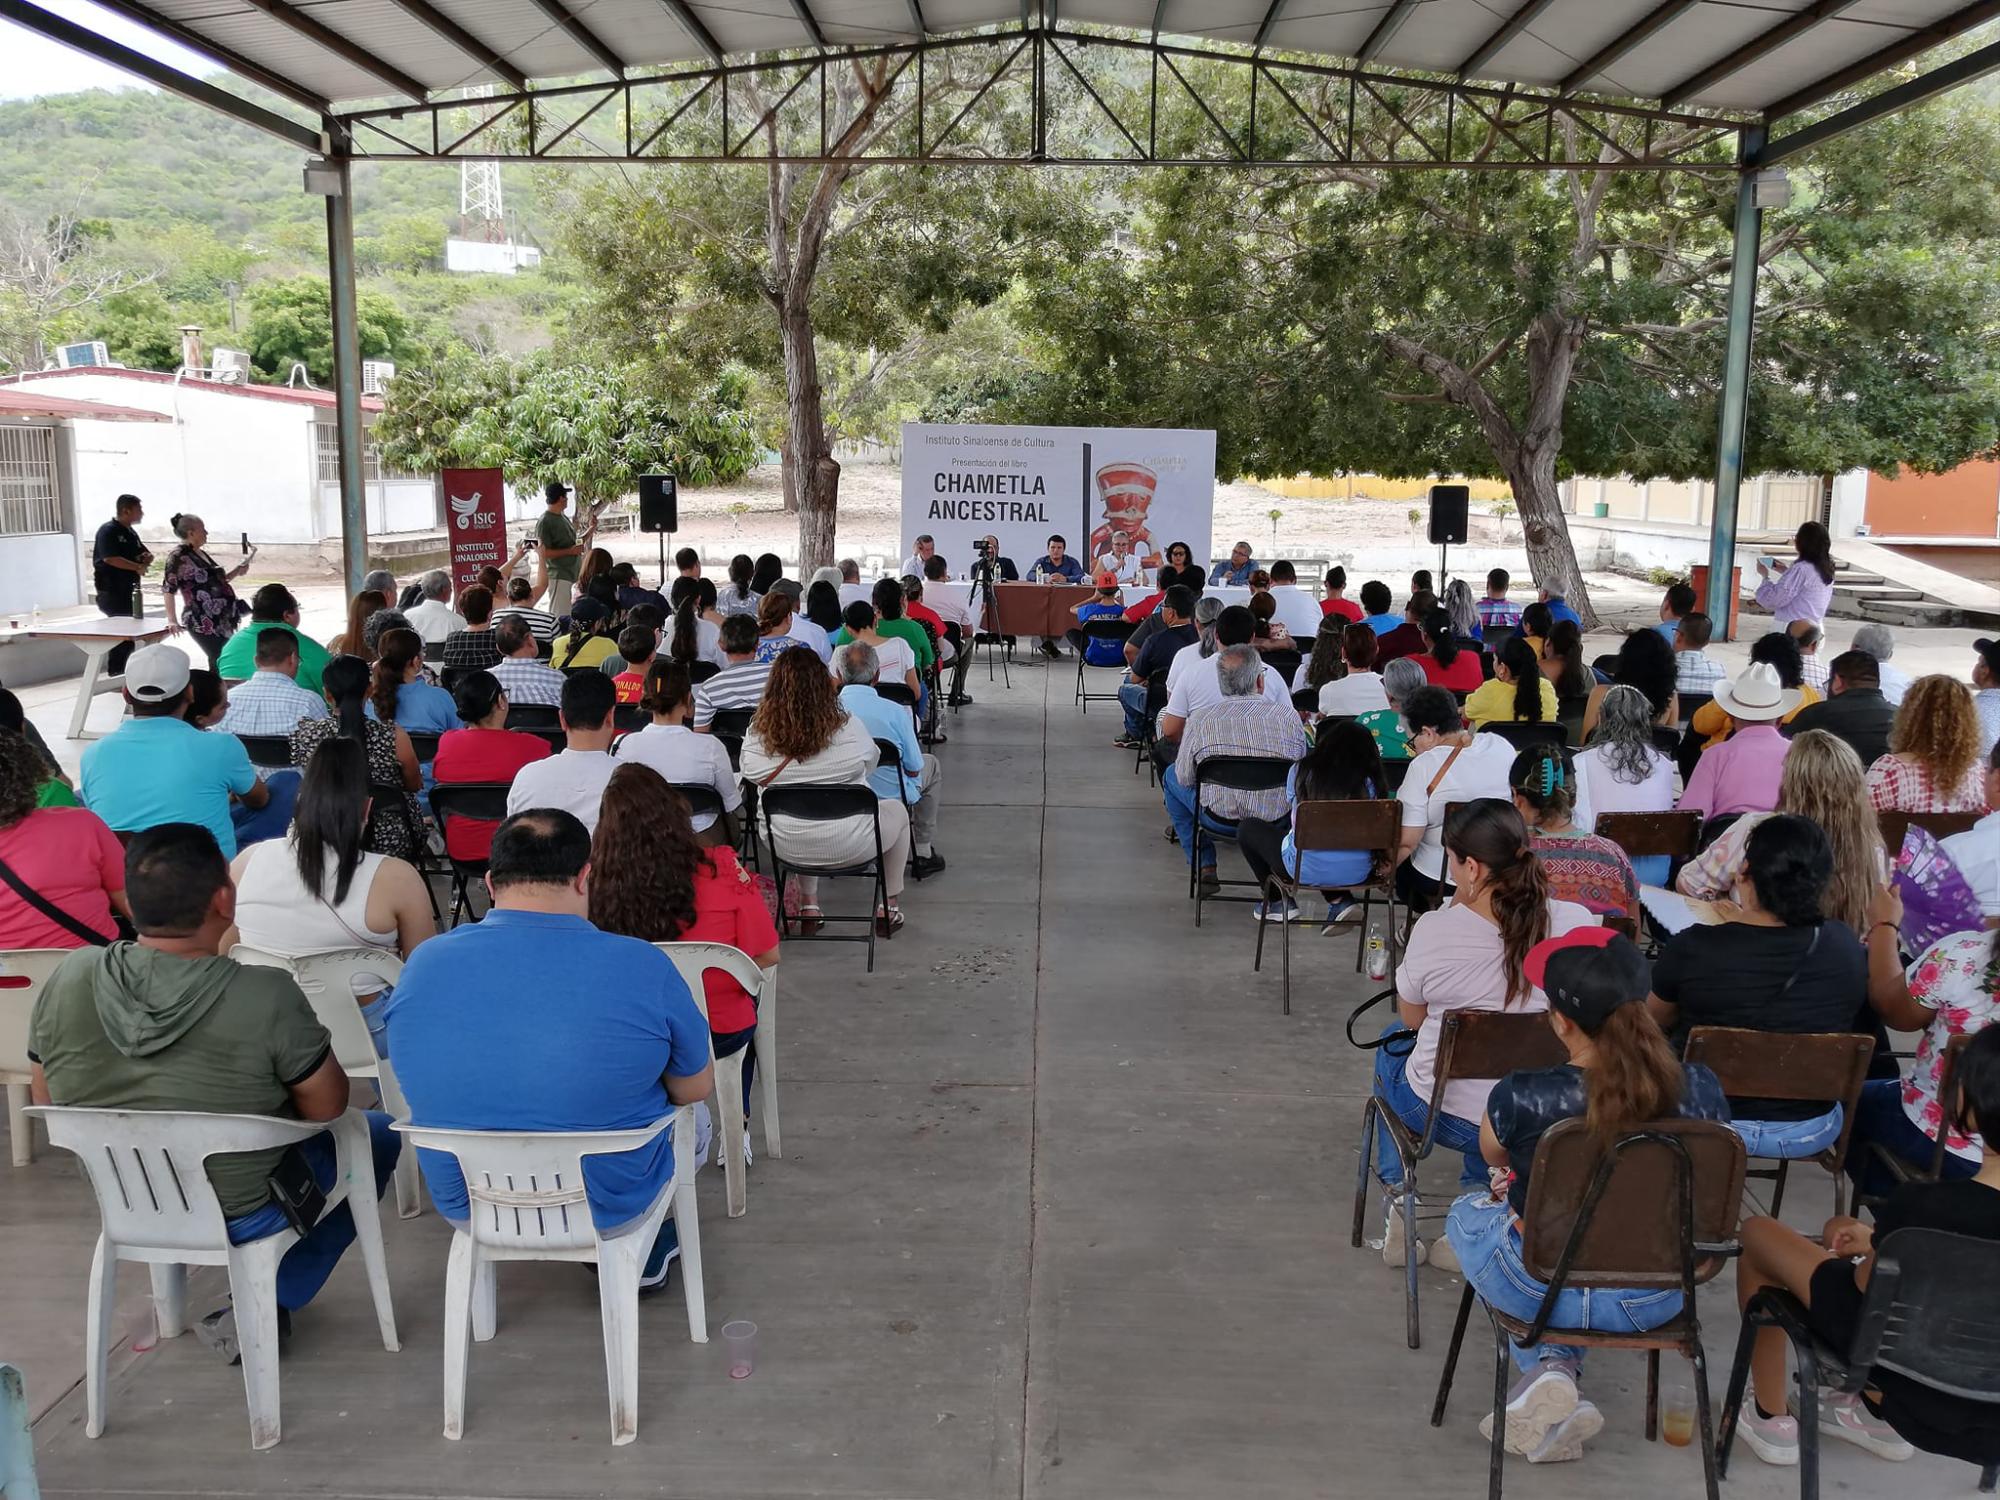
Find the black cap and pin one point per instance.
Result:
(588, 611)
(552, 492)
(1990, 650)
(1587, 973)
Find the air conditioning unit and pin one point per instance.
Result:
(82, 356)
(375, 375)
(230, 366)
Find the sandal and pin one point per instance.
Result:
(811, 919)
(888, 923)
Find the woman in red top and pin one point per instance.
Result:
(488, 752)
(66, 855)
(1445, 662)
(1334, 603)
(650, 878)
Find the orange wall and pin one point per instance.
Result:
(1964, 501)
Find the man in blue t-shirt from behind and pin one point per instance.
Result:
(593, 1031)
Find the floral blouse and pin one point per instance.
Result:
(1950, 980)
(1898, 785)
(208, 603)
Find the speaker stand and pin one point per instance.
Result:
(1444, 577)
(663, 560)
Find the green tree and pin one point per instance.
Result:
(138, 327)
(291, 322)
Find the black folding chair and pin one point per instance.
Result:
(827, 804)
(1237, 773)
(729, 726)
(468, 802)
(273, 752)
(629, 718)
(1156, 699)
(1931, 1314)
(1902, 1171)
(426, 746)
(391, 804)
(892, 755)
(433, 651)
(1305, 700)
(701, 671)
(1285, 663)
(1521, 736)
(534, 716)
(1109, 628)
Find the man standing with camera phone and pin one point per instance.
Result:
(562, 549)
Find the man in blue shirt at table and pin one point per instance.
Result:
(1235, 573)
(158, 768)
(858, 668)
(1056, 565)
(597, 1033)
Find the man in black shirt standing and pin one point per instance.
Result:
(117, 560)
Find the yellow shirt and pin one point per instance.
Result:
(590, 652)
(1715, 726)
(1493, 702)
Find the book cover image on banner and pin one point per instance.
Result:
(1085, 484)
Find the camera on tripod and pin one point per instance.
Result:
(985, 550)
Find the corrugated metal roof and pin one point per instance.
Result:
(27, 406)
(1554, 47)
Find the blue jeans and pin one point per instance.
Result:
(305, 1267)
(1132, 698)
(1489, 1251)
(1652, 869)
(1180, 807)
(255, 825)
(1392, 1087)
(1881, 1120)
(1790, 1140)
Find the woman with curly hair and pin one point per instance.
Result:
(397, 693)
(651, 878)
(67, 855)
(1933, 760)
(801, 736)
(1644, 661)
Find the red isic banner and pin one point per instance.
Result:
(476, 516)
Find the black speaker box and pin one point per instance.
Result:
(659, 503)
(1449, 503)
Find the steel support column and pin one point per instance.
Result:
(347, 377)
(1735, 404)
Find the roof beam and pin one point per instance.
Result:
(319, 33)
(582, 35)
(1760, 46)
(236, 62)
(442, 25)
(810, 21)
(1385, 30)
(917, 18)
(173, 80)
(1929, 85)
(1264, 27)
(678, 9)
(1489, 49)
(1916, 43)
(1159, 15)
(1657, 19)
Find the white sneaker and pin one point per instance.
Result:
(1443, 1257)
(1773, 1439)
(1392, 1233)
(1846, 1418)
(1543, 1400)
(1565, 1441)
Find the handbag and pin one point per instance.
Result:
(50, 910)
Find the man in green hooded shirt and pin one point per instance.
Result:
(165, 1023)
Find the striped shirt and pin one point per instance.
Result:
(527, 681)
(541, 624)
(1247, 725)
(738, 685)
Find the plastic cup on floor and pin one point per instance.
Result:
(741, 1339)
(1677, 1414)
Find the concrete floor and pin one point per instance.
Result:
(1064, 1216)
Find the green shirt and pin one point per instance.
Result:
(1387, 727)
(203, 1034)
(238, 659)
(55, 793)
(554, 530)
(903, 630)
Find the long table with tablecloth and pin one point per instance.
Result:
(1044, 608)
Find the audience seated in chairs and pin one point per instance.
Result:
(801, 736)
(694, 636)
(1695, 671)
(1644, 661)
(671, 747)
(1472, 955)
(1621, 1075)
(272, 701)
(520, 605)
(1711, 723)
(1830, 1277)
(398, 695)
(1342, 765)
(167, 1023)
(1563, 666)
(740, 683)
(1105, 604)
(521, 671)
(1407, 639)
(1447, 663)
(1175, 632)
(66, 856)
(1741, 774)
(1976, 851)
(652, 878)
(392, 759)
(360, 609)
(1855, 709)
(637, 647)
(917, 781)
(630, 1047)
(475, 645)
(485, 752)
(1518, 693)
(1400, 680)
(574, 779)
(1624, 771)
(318, 890)
(1450, 764)
(1776, 963)
(1579, 866)
(271, 606)
(1934, 762)
(589, 640)
(1243, 720)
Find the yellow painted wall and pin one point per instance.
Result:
(1375, 487)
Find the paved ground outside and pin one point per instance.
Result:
(1063, 1214)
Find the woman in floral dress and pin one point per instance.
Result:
(196, 588)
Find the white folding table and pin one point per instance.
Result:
(97, 639)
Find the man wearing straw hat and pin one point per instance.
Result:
(1741, 774)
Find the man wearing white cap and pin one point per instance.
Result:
(158, 768)
(1741, 774)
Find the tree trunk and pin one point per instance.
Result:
(1544, 527)
(814, 473)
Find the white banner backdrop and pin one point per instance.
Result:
(1023, 484)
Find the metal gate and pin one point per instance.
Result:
(30, 502)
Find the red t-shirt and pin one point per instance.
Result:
(729, 909)
(1464, 675)
(70, 858)
(480, 755)
(1137, 612)
(1347, 609)
(631, 686)
(928, 616)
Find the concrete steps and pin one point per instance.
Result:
(1862, 595)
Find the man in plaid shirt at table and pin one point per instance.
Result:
(270, 701)
(1244, 722)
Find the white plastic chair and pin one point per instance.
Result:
(158, 1207)
(693, 960)
(526, 1195)
(23, 972)
(328, 982)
